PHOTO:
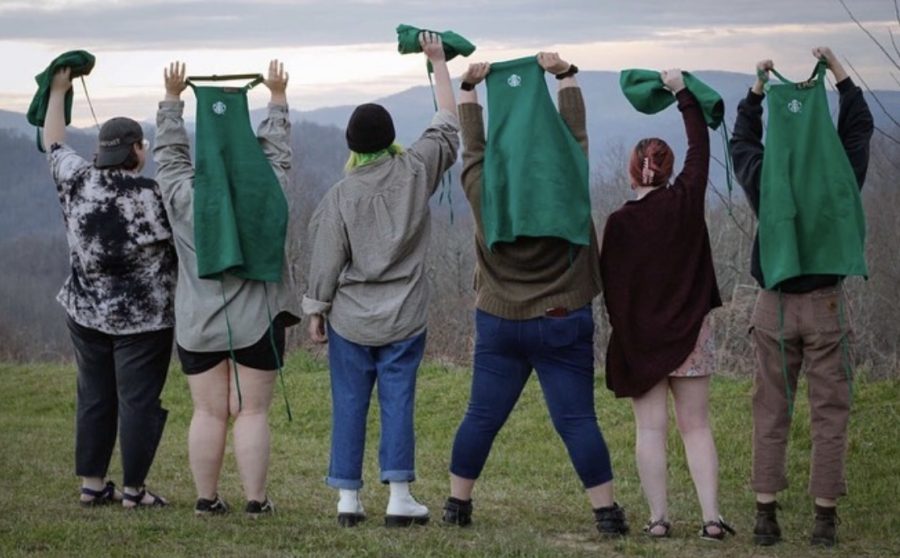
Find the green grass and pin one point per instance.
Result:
(528, 502)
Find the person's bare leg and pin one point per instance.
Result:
(651, 420)
(209, 426)
(601, 496)
(461, 488)
(251, 428)
(692, 411)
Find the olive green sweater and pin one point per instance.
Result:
(522, 279)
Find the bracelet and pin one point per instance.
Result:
(573, 69)
(466, 86)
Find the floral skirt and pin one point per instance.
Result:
(702, 360)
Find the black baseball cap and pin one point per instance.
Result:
(116, 138)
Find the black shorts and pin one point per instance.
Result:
(258, 355)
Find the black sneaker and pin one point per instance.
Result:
(766, 532)
(458, 512)
(216, 506)
(611, 521)
(255, 509)
(825, 528)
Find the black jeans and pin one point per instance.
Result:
(120, 379)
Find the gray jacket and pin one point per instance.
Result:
(370, 237)
(205, 308)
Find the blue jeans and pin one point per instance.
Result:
(354, 371)
(562, 352)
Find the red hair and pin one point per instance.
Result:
(651, 163)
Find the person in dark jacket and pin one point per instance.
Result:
(799, 321)
(659, 288)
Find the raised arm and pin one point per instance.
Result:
(443, 89)
(471, 122)
(571, 102)
(746, 139)
(171, 150)
(55, 119)
(274, 133)
(437, 147)
(855, 125)
(695, 174)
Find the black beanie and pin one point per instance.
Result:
(370, 129)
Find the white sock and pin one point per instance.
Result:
(402, 503)
(349, 502)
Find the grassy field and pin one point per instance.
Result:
(528, 503)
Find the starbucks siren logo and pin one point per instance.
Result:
(219, 108)
(514, 80)
(795, 106)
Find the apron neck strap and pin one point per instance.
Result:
(256, 79)
(817, 74)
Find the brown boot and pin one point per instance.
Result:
(766, 532)
(825, 528)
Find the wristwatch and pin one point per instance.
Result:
(466, 86)
(573, 69)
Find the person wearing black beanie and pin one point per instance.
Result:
(367, 279)
(370, 129)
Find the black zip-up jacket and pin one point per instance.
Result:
(854, 127)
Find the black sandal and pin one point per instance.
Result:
(102, 497)
(724, 529)
(651, 525)
(137, 500)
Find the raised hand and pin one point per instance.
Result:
(277, 78)
(432, 46)
(763, 67)
(476, 73)
(551, 62)
(673, 79)
(277, 81)
(173, 77)
(824, 53)
(62, 80)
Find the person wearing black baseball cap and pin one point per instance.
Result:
(119, 300)
(121, 145)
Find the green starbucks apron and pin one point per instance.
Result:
(240, 211)
(811, 219)
(535, 180)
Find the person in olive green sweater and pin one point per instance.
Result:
(533, 311)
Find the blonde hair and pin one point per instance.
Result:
(357, 160)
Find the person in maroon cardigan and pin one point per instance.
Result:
(659, 287)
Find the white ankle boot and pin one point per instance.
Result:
(350, 509)
(403, 510)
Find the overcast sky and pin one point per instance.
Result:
(341, 52)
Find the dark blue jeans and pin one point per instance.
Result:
(354, 371)
(562, 352)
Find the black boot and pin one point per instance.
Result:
(825, 529)
(458, 512)
(766, 532)
(611, 521)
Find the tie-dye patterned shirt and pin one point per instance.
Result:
(121, 253)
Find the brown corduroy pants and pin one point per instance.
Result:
(812, 332)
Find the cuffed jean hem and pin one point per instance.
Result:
(594, 483)
(398, 476)
(468, 475)
(346, 484)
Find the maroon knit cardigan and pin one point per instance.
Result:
(657, 270)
